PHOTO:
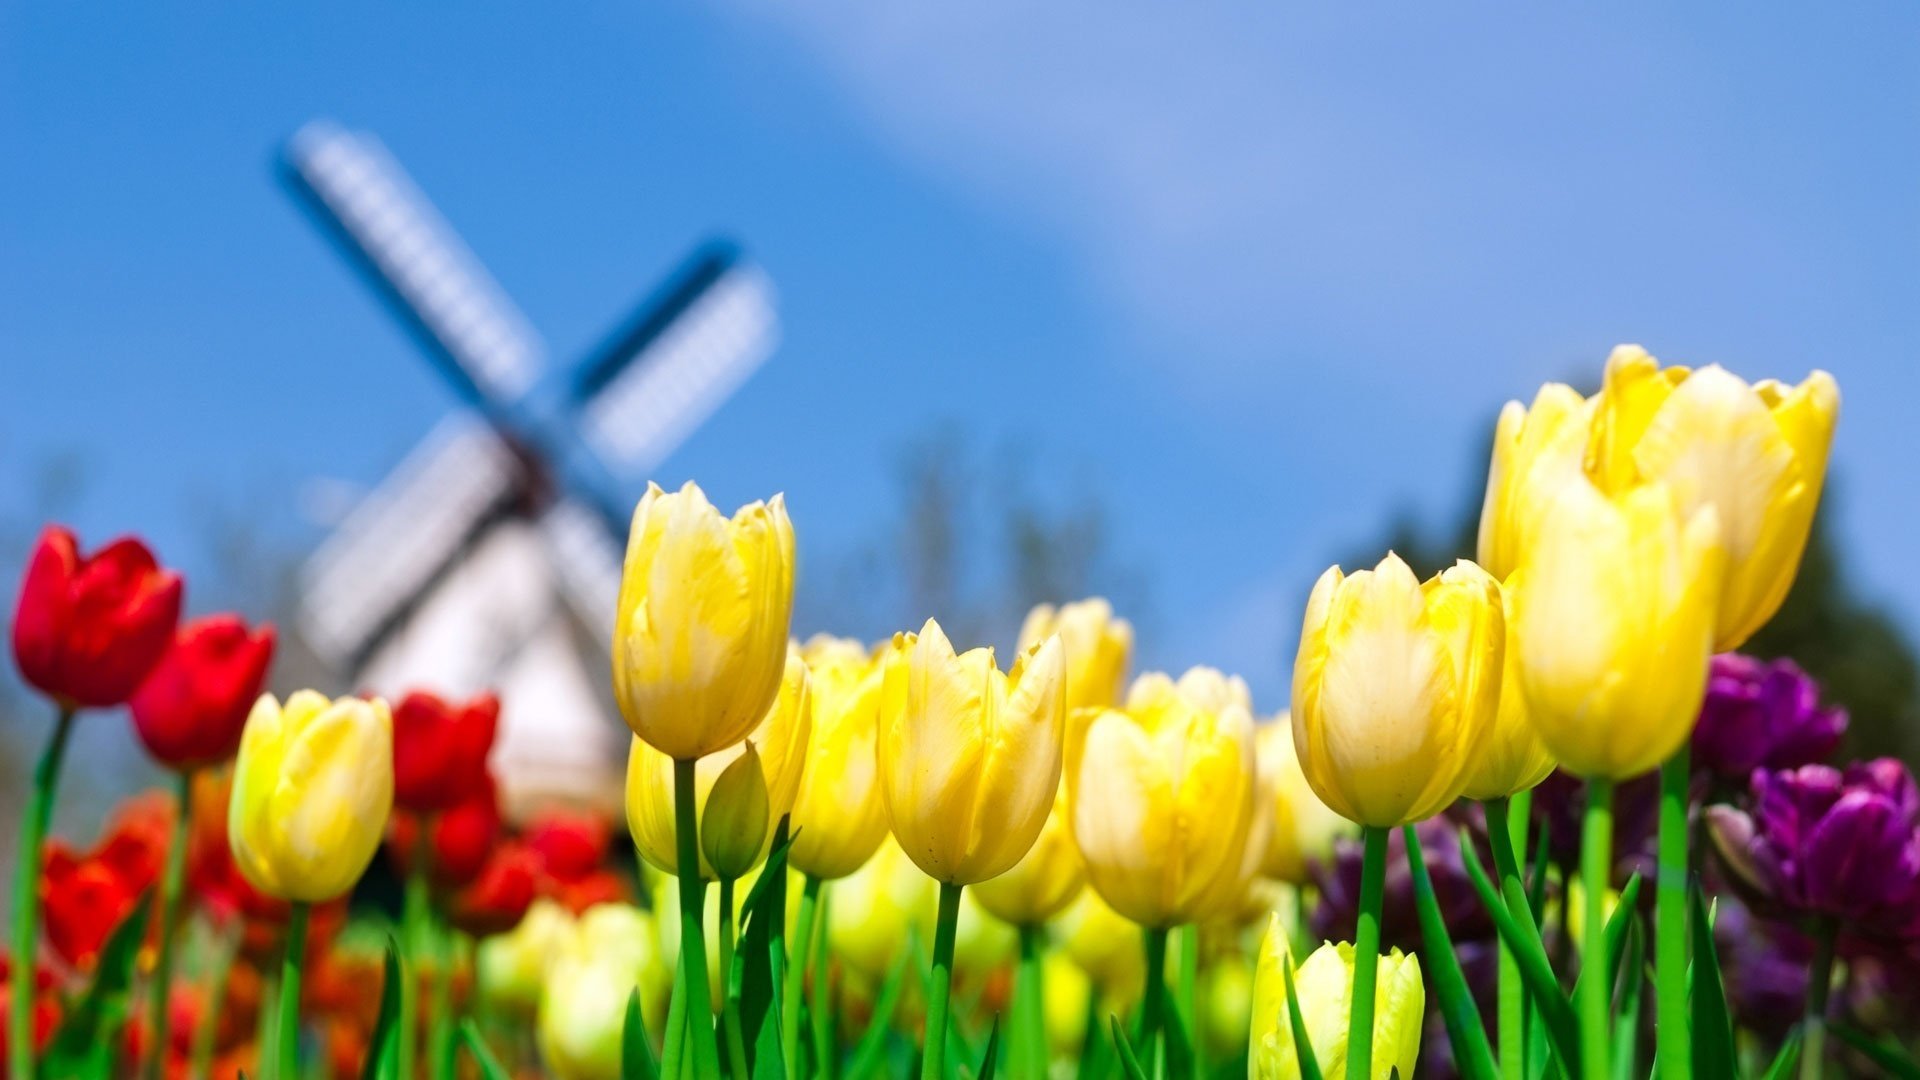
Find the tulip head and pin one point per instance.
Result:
(1762, 713)
(1161, 796)
(780, 750)
(1304, 828)
(1044, 881)
(701, 636)
(839, 817)
(1536, 449)
(1098, 646)
(499, 896)
(440, 749)
(312, 789)
(875, 910)
(1396, 688)
(1103, 943)
(609, 952)
(1613, 619)
(89, 628)
(969, 757)
(511, 968)
(1323, 986)
(191, 707)
(1513, 759)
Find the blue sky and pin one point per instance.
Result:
(1257, 278)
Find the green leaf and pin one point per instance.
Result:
(764, 916)
(1895, 1061)
(490, 1067)
(379, 1061)
(1626, 1030)
(1523, 940)
(1614, 938)
(1787, 1058)
(1129, 1061)
(992, 1056)
(1713, 1050)
(767, 1063)
(873, 1042)
(636, 1053)
(1471, 1052)
(1302, 1046)
(87, 1040)
(1179, 1043)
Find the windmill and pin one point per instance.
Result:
(490, 557)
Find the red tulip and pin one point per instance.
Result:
(86, 897)
(46, 1006)
(440, 749)
(497, 899)
(570, 845)
(89, 629)
(192, 706)
(458, 840)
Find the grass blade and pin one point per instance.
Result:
(1302, 1046)
(490, 1067)
(1523, 939)
(1713, 1050)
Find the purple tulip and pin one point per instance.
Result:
(1762, 714)
(1826, 843)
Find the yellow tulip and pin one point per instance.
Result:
(871, 911)
(1304, 828)
(511, 968)
(1044, 881)
(704, 606)
(1756, 453)
(1396, 688)
(839, 817)
(1514, 758)
(780, 743)
(1098, 648)
(1323, 986)
(1104, 944)
(1613, 619)
(969, 757)
(1064, 1010)
(312, 789)
(1162, 798)
(609, 952)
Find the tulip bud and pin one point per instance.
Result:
(440, 749)
(783, 735)
(969, 757)
(312, 788)
(1513, 759)
(1097, 646)
(512, 967)
(1323, 987)
(1162, 797)
(610, 951)
(1613, 619)
(1396, 688)
(1304, 828)
(89, 628)
(734, 826)
(1044, 881)
(701, 637)
(839, 817)
(194, 702)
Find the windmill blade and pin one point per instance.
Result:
(681, 355)
(384, 557)
(587, 556)
(417, 261)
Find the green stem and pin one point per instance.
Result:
(1672, 1032)
(730, 1005)
(1813, 1045)
(207, 1034)
(1513, 994)
(1366, 954)
(1029, 1005)
(820, 1004)
(1596, 862)
(1153, 997)
(440, 1023)
(1188, 945)
(413, 933)
(693, 941)
(676, 1037)
(796, 977)
(287, 1037)
(933, 1063)
(170, 884)
(26, 896)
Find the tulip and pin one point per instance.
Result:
(499, 896)
(839, 816)
(440, 749)
(780, 741)
(571, 849)
(1039, 886)
(312, 789)
(89, 628)
(1304, 828)
(1396, 688)
(1097, 644)
(191, 707)
(86, 899)
(1762, 714)
(704, 606)
(874, 911)
(1104, 944)
(1513, 758)
(511, 968)
(606, 956)
(969, 765)
(86, 632)
(43, 1005)
(1323, 987)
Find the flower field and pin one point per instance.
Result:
(1535, 816)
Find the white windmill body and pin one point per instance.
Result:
(489, 559)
